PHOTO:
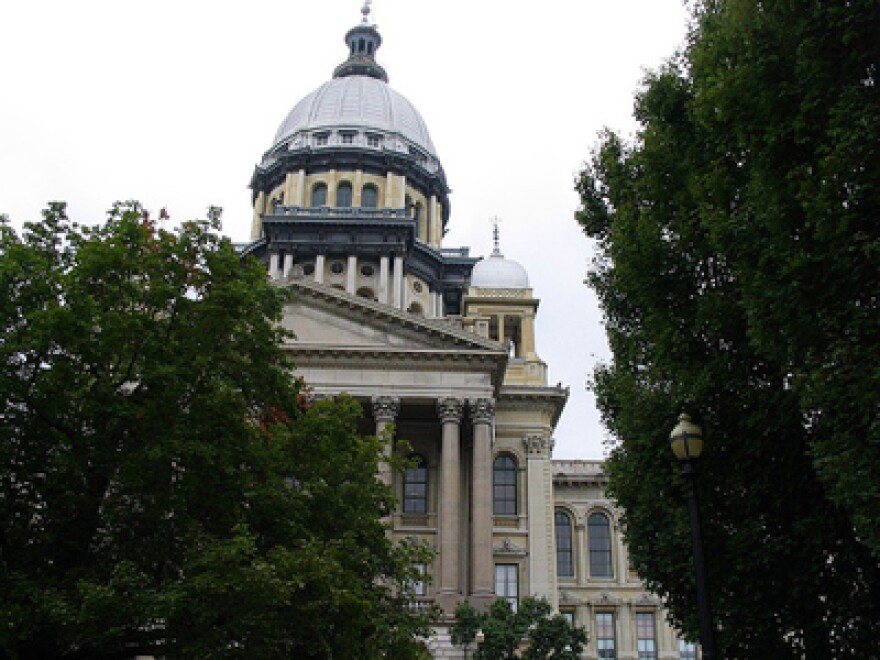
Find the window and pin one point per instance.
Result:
(605, 635)
(568, 615)
(504, 486)
(687, 650)
(415, 487)
(417, 587)
(337, 268)
(599, 532)
(506, 583)
(347, 138)
(374, 140)
(322, 139)
(369, 196)
(645, 636)
(343, 195)
(319, 195)
(564, 563)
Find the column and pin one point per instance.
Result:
(300, 198)
(319, 269)
(482, 564)
(351, 274)
(383, 279)
(273, 265)
(397, 283)
(449, 585)
(528, 337)
(385, 410)
(288, 265)
(434, 230)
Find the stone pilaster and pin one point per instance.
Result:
(542, 542)
(482, 569)
(449, 586)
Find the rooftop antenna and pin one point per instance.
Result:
(496, 239)
(365, 10)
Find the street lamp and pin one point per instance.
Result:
(480, 637)
(686, 440)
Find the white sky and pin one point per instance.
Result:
(172, 102)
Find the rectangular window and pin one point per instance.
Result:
(419, 590)
(506, 583)
(687, 650)
(605, 636)
(322, 139)
(647, 644)
(347, 138)
(374, 140)
(568, 615)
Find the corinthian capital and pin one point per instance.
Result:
(482, 411)
(450, 409)
(538, 445)
(385, 408)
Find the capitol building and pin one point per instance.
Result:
(351, 205)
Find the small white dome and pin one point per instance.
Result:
(496, 272)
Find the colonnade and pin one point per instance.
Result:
(450, 581)
(391, 280)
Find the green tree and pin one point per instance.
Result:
(532, 631)
(168, 488)
(737, 266)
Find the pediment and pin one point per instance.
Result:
(326, 319)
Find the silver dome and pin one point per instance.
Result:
(496, 272)
(356, 102)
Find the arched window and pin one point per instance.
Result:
(319, 195)
(504, 486)
(343, 195)
(369, 196)
(564, 559)
(415, 486)
(599, 533)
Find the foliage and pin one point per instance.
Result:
(168, 488)
(738, 243)
(530, 632)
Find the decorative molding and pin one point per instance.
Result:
(450, 410)
(482, 410)
(385, 408)
(568, 598)
(605, 598)
(538, 445)
(509, 548)
(646, 600)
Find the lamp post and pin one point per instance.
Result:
(686, 440)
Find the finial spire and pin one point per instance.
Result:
(496, 239)
(365, 10)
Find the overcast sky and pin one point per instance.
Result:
(172, 102)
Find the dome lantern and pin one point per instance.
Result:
(363, 41)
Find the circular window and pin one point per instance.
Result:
(337, 268)
(309, 269)
(417, 286)
(367, 270)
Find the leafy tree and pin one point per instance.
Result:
(737, 259)
(531, 632)
(168, 488)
